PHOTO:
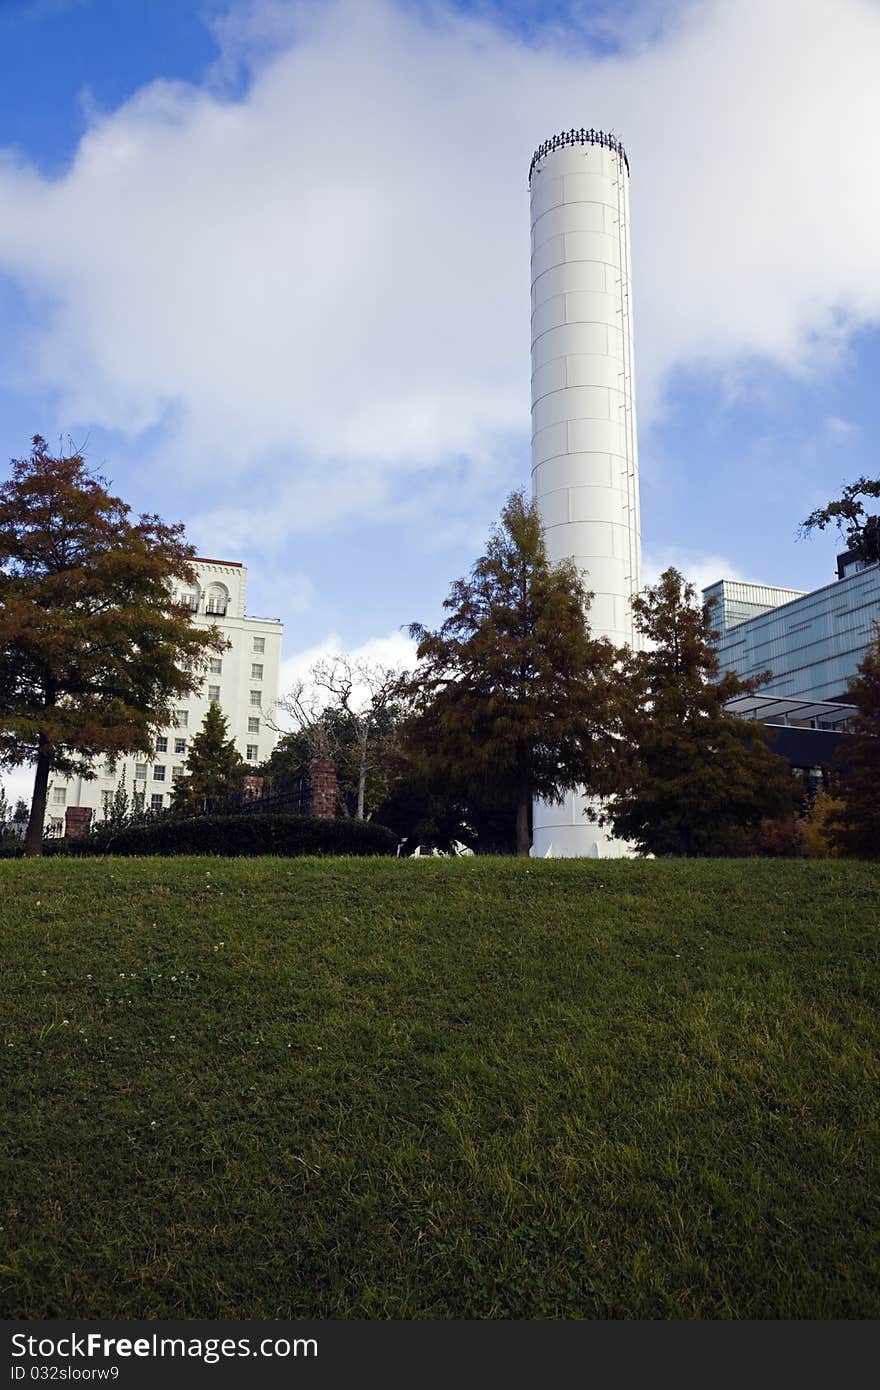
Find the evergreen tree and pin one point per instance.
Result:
(514, 696)
(285, 772)
(816, 825)
(119, 812)
(854, 826)
(93, 651)
(9, 839)
(214, 767)
(690, 778)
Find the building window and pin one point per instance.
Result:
(216, 600)
(159, 772)
(190, 601)
(157, 801)
(181, 718)
(137, 800)
(259, 644)
(256, 671)
(59, 796)
(215, 666)
(161, 745)
(180, 745)
(176, 774)
(253, 725)
(214, 694)
(255, 697)
(106, 800)
(140, 772)
(252, 753)
(56, 827)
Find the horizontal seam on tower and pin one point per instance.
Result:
(576, 203)
(575, 323)
(583, 453)
(577, 260)
(578, 386)
(575, 419)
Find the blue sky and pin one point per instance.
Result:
(268, 263)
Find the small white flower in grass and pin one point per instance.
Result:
(152, 1124)
(65, 1020)
(172, 1036)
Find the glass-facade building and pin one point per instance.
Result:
(811, 643)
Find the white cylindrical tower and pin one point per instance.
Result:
(584, 454)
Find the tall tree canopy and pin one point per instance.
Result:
(214, 769)
(93, 651)
(854, 825)
(691, 779)
(861, 529)
(513, 692)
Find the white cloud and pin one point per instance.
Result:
(394, 650)
(699, 567)
(18, 782)
(839, 431)
(326, 278)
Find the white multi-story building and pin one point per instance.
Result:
(243, 680)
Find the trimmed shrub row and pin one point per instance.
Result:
(235, 835)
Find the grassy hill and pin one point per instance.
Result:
(475, 1088)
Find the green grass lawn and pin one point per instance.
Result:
(408, 1089)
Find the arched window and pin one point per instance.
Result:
(216, 599)
(191, 596)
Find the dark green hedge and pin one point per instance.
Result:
(235, 835)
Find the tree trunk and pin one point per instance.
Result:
(362, 785)
(523, 802)
(33, 840)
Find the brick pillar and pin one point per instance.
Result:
(253, 788)
(77, 820)
(322, 772)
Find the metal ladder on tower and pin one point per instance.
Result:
(625, 313)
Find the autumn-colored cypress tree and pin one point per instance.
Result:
(854, 825)
(513, 694)
(214, 768)
(93, 651)
(691, 778)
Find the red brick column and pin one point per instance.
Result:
(322, 772)
(77, 820)
(253, 788)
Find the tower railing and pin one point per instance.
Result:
(578, 137)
